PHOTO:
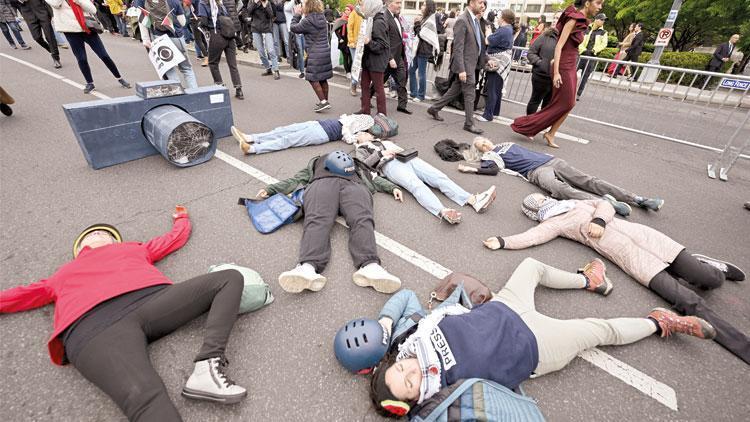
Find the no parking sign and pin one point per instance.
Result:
(662, 38)
(164, 55)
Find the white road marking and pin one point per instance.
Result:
(657, 390)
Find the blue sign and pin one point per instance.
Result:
(735, 83)
(672, 15)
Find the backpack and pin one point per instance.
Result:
(158, 10)
(384, 127)
(477, 399)
(270, 214)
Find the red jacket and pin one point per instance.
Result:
(95, 276)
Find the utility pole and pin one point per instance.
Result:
(650, 75)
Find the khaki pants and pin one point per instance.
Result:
(559, 341)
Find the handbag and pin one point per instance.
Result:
(497, 62)
(93, 24)
(407, 155)
(477, 291)
(269, 214)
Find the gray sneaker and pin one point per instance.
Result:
(621, 208)
(731, 271)
(654, 204)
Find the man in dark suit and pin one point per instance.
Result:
(634, 52)
(722, 54)
(38, 17)
(397, 62)
(466, 57)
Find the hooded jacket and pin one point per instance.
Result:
(541, 52)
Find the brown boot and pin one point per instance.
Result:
(670, 322)
(204, 63)
(595, 273)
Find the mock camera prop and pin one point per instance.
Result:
(163, 118)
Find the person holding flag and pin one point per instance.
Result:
(166, 17)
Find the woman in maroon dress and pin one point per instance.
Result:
(571, 26)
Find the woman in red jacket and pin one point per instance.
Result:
(110, 302)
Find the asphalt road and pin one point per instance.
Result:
(283, 353)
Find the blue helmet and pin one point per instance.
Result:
(360, 345)
(339, 162)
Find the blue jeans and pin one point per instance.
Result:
(418, 66)
(12, 26)
(296, 135)
(60, 38)
(301, 55)
(280, 36)
(413, 175)
(494, 95)
(264, 44)
(122, 26)
(353, 52)
(185, 67)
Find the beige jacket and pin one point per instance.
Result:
(63, 18)
(638, 250)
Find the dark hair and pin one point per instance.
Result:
(509, 17)
(429, 9)
(579, 3)
(639, 25)
(379, 391)
(452, 14)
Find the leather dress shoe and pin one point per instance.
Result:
(473, 129)
(403, 110)
(434, 113)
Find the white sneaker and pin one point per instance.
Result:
(302, 277)
(481, 118)
(483, 200)
(210, 382)
(416, 100)
(375, 276)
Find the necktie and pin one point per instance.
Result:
(476, 32)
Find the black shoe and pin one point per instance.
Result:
(88, 88)
(56, 63)
(301, 75)
(5, 109)
(403, 110)
(434, 113)
(25, 47)
(322, 106)
(267, 72)
(473, 129)
(238, 94)
(731, 271)
(276, 75)
(124, 83)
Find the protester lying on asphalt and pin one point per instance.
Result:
(505, 340)
(412, 173)
(314, 132)
(334, 184)
(651, 257)
(552, 174)
(111, 301)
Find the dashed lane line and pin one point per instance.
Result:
(649, 386)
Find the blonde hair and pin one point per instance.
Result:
(312, 6)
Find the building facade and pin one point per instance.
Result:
(530, 8)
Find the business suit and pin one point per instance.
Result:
(397, 52)
(466, 56)
(722, 52)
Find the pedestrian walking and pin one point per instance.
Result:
(571, 26)
(499, 47)
(117, 9)
(466, 58)
(263, 16)
(722, 54)
(38, 17)
(593, 43)
(339, 28)
(213, 16)
(541, 53)
(397, 65)
(8, 25)
(624, 46)
(298, 39)
(352, 28)
(633, 52)
(70, 19)
(201, 47)
(375, 60)
(426, 31)
(280, 29)
(310, 22)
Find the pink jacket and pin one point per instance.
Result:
(638, 250)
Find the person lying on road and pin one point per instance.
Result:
(314, 132)
(505, 340)
(649, 256)
(334, 184)
(415, 174)
(111, 301)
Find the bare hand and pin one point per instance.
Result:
(492, 243)
(147, 44)
(725, 59)
(397, 195)
(388, 154)
(462, 77)
(392, 64)
(262, 194)
(179, 210)
(298, 9)
(596, 231)
(557, 80)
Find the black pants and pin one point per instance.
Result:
(38, 17)
(670, 285)
(116, 359)
(217, 44)
(587, 66)
(347, 55)
(457, 88)
(200, 39)
(628, 58)
(541, 92)
(324, 200)
(78, 41)
(399, 74)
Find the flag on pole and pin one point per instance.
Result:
(167, 21)
(144, 18)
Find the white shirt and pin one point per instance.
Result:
(398, 24)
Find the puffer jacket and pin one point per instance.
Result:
(315, 29)
(63, 18)
(231, 7)
(263, 17)
(638, 250)
(377, 51)
(7, 11)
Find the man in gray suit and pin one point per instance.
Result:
(466, 57)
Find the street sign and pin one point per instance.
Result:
(662, 38)
(672, 15)
(735, 83)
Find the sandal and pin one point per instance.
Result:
(451, 216)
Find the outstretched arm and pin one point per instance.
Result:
(161, 246)
(542, 233)
(23, 298)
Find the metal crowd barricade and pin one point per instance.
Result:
(701, 109)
